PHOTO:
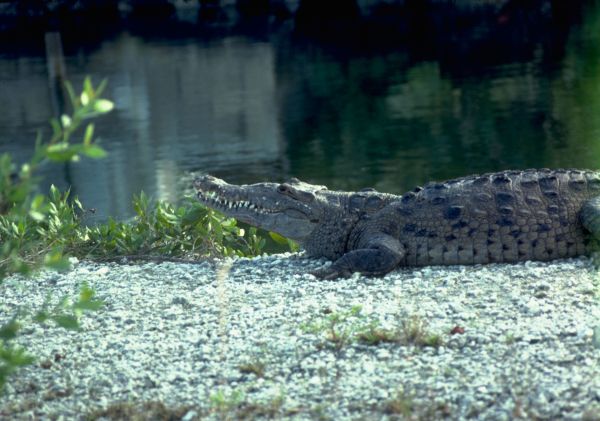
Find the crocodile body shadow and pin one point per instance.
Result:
(509, 216)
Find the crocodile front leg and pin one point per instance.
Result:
(379, 256)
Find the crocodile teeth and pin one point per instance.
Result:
(213, 198)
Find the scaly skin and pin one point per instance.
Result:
(509, 216)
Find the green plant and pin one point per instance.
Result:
(221, 401)
(144, 411)
(374, 334)
(404, 405)
(42, 230)
(343, 327)
(38, 229)
(255, 367)
(413, 330)
(401, 405)
(281, 240)
(235, 406)
(161, 229)
(338, 327)
(510, 338)
(16, 187)
(32, 225)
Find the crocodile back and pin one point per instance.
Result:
(507, 216)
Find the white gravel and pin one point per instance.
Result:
(229, 340)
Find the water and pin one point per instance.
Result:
(250, 105)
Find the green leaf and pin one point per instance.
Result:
(87, 87)
(89, 133)
(84, 98)
(101, 87)
(56, 128)
(86, 301)
(86, 293)
(62, 152)
(94, 151)
(140, 204)
(37, 202)
(54, 193)
(92, 305)
(294, 246)
(355, 310)
(15, 356)
(193, 215)
(6, 165)
(229, 223)
(55, 260)
(279, 239)
(71, 93)
(66, 321)
(37, 216)
(77, 204)
(38, 139)
(15, 229)
(66, 121)
(25, 171)
(103, 106)
(9, 330)
(41, 316)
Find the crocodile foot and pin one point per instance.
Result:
(329, 272)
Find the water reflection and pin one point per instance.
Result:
(391, 121)
(178, 107)
(248, 108)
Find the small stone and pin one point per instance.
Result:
(314, 381)
(189, 416)
(587, 289)
(151, 348)
(532, 307)
(383, 354)
(102, 271)
(179, 301)
(596, 337)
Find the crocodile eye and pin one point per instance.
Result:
(294, 193)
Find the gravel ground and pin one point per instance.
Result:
(261, 338)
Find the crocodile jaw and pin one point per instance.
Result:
(269, 206)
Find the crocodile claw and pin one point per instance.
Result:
(330, 272)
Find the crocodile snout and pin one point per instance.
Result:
(206, 181)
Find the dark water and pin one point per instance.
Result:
(272, 103)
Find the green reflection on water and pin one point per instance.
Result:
(390, 122)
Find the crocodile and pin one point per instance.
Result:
(501, 217)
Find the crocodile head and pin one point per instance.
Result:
(321, 220)
(293, 209)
